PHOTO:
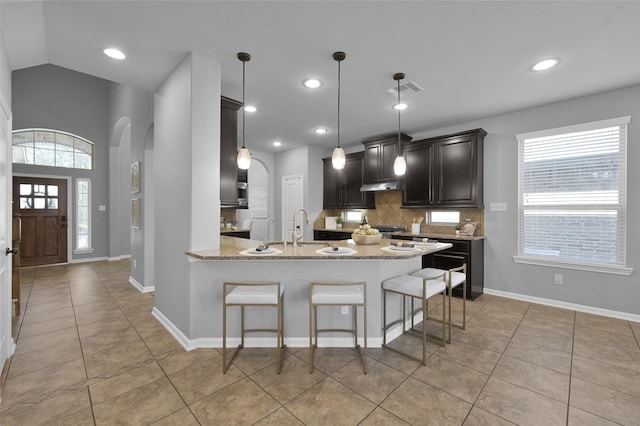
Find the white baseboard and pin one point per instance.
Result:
(116, 258)
(89, 259)
(270, 342)
(140, 287)
(565, 305)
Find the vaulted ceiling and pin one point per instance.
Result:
(471, 58)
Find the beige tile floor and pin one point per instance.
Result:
(89, 352)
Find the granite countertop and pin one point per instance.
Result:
(443, 236)
(230, 249)
(420, 235)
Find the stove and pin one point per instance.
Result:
(387, 231)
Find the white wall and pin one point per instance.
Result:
(596, 290)
(260, 174)
(186, 173)
(307, 161)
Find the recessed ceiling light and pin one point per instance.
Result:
(400, 107)
(114, 53)
(320, 131)
(545, 65)
(312, 83)
(277, 143)
(250, 108)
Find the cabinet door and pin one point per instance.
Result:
(418, 178)
(352, 180)
(388, 153)
(228, 152)
(331, 186)
(456, 177)
(372, 163)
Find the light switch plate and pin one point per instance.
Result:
(498, 207)
(102, 208)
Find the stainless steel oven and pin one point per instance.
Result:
(242, 193)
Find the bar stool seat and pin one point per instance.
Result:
(453, 277)
(337, 294)
(412, 286)
(253, 294)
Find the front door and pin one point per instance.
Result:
(42, 204)
(6, 342)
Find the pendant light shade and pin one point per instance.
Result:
(400, 164)
(244, 156)
(338, 158)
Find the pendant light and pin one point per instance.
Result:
(338, 158)
(400, 164)
(244, 156)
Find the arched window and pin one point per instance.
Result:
(44, 147)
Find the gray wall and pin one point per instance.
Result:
(598, 290)
(56, 98)
(260, 174)
(5, 71)
(307, 161)
(131, 122)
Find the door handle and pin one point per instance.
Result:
(11, 251)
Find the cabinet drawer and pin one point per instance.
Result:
(458, 246)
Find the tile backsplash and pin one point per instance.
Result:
(388, 212)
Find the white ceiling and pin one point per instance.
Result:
(471, 58)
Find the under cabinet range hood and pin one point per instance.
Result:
(384, 186)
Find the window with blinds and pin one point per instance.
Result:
(572, 194)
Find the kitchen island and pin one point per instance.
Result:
(296, 267)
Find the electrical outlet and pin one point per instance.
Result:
(134, 263)
(344, 310)
(557, 279)
(498, 207)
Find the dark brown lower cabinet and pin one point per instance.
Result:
(331, 235)
(238, 234)
(470, 252)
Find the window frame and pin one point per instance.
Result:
(76, 234)
(54, 148)
(621, 206)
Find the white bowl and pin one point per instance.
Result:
(364, 239)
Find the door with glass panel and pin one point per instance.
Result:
(42, 204)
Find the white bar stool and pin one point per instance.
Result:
(337, 294)
(414, 287)
(253, 294)
(454, 277)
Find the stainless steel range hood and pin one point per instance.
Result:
(386, 186)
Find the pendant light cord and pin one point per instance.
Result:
(244, 63)
(339, 104)
(399, 143)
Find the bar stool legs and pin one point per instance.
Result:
(253, 294)
(414, 287)
(337, 294)
(454, 277)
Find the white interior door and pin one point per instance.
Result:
(292, 199)
(6, 342)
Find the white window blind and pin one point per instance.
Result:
(572, 193)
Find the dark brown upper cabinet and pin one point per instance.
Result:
(379, 155)
(445, 171)
(417, 188)
(228, 152)
(342, 187)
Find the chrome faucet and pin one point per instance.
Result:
(295, 237)
(266, 229)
